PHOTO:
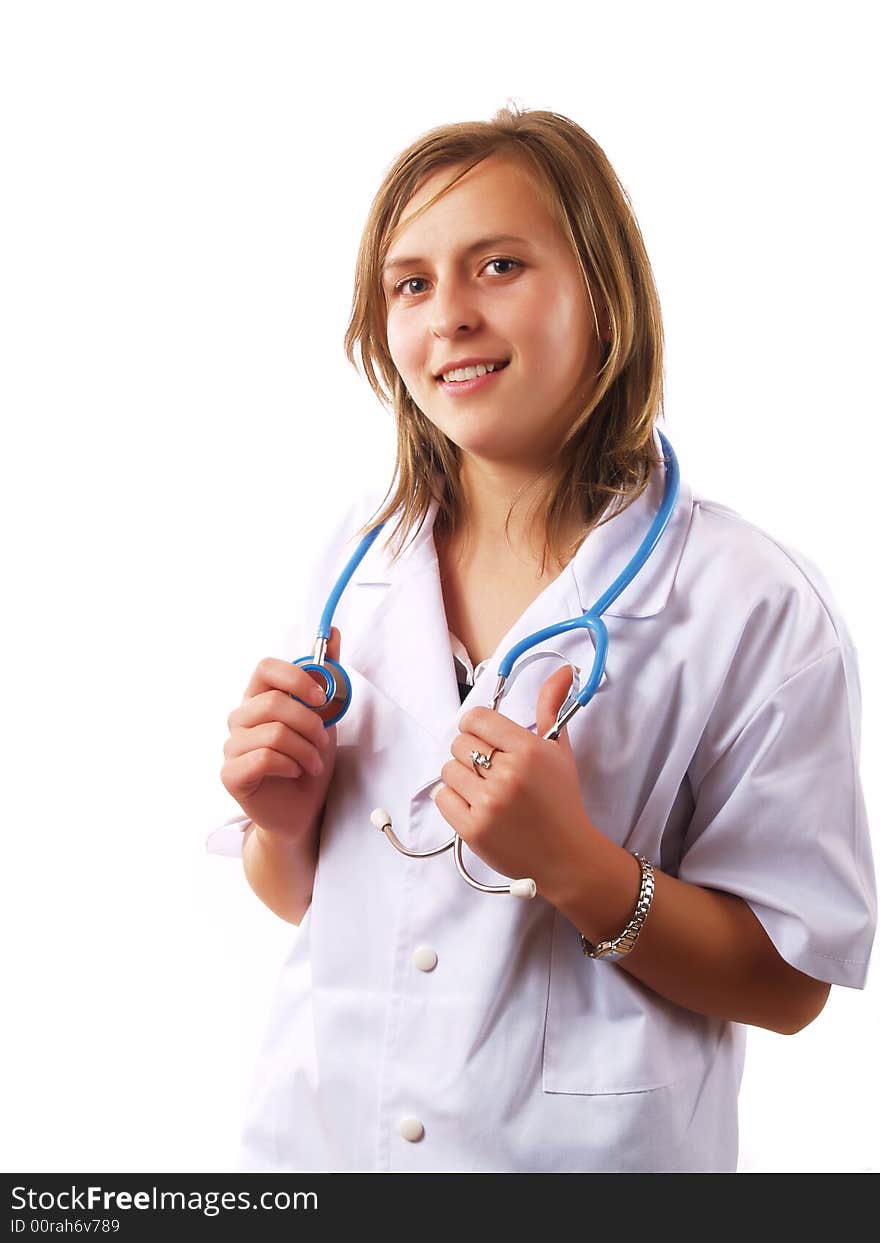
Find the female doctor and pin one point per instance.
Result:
(694, 835)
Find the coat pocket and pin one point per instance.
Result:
(607, 1033)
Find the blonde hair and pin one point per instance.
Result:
(609, 450)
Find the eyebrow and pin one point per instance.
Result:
(494, 240)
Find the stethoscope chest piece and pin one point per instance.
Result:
(335, 683)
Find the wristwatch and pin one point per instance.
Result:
(622, 944)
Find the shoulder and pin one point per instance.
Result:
(771, 661)
(735, 570)
(318, 558)
(340, 527)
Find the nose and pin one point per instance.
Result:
(453, 309)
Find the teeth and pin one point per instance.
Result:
(468, 373)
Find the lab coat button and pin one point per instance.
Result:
(411, 1129)
(424, 958)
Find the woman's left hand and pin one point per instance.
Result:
(523, 816)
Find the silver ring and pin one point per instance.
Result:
(484, 761)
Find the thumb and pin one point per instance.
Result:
(552, 696)
(334, 644)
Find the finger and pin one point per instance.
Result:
(464, 744)
(332, 707)
(493, 728)
(247, 771)
(553, 695)
(454, 809)
(273, 674)
(459, 775)
(274, 707)
(334, 644)
(276, 736)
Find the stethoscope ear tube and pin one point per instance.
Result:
(525, 888)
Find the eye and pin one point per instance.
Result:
(516, 263)
(412, 280)
(406, 285)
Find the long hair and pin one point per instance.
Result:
(609, 450)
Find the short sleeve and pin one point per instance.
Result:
(228, 838)
(779, 820)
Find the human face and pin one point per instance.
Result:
(518, 300)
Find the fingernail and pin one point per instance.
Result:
(317, 695)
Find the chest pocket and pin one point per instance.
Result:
(607, 1033)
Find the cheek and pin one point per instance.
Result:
(547, 323)
(569, 326)
(567, 313)
(402, 343)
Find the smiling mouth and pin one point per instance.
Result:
(496, 368)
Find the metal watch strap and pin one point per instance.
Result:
(622, 944)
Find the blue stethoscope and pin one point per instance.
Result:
(338, 683)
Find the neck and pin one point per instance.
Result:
(489, 491)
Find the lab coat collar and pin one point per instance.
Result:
(404, 648)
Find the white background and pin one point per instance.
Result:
(184, 189)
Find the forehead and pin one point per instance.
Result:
(496, 197)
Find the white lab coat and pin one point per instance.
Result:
(722, 743)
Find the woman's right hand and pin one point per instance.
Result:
(279, 755)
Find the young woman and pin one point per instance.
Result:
(695, 835)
